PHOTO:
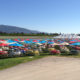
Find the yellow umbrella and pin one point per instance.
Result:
(64, 43)
(56, 44)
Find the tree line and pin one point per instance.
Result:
(28, 34)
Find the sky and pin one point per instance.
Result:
(42, 15)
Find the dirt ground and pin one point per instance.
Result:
(48, 68)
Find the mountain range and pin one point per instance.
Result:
(15, 29)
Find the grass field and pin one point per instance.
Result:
(9, 62)
(25, 37)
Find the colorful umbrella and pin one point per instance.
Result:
(76, 44)
(3, 44)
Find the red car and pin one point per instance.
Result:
(3, 54)
(55, 52)
(77, 48)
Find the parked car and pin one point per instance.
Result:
(3, 54)
(77, 48)
(30, 53)
(15, 53)
(74, 52)
(55, 52)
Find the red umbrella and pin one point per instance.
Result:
(72, 42)
(3, 44)
(27, 39)
(78, 40)
(16, 40)
(2, 40)
(22, 39)
(35, 41)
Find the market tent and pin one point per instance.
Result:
(56, 44)
(72, 42)
(76, 44)
(69, 36)
(42, 41)
(50, 42)
(38, 43)
(16, 40)
(2, 41)
(27, 39)
(10, 41)
(27, 42)
(64, 43)
(78, 40)
(3, 44)
(16, 44)
(35, 41)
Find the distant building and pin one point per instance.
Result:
(70, 36)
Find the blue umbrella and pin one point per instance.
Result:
(73, 40)
(42, 42)
(76, 44)
(61, 41)
(10, 41)
(27, 42)
(50, 42)
(16, 44)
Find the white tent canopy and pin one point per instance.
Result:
(70, 36)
